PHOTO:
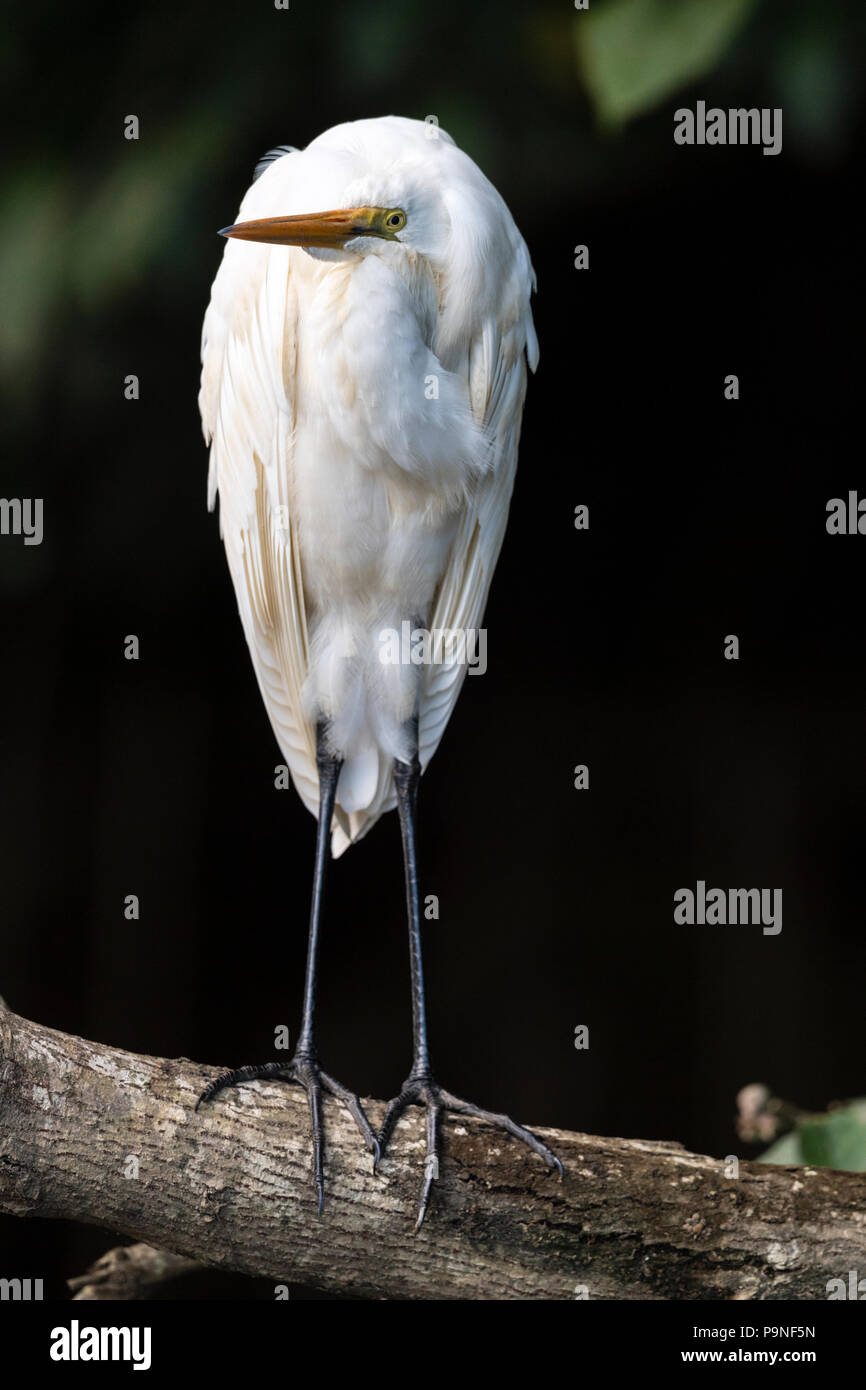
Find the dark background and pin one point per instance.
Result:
(707, 517)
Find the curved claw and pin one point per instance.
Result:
(465, 1107)
(305, 1071)
(426, 1092)
(431, 1162)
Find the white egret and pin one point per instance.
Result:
(363, 378)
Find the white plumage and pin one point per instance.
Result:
(363, 410)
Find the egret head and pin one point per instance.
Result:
(382, 191)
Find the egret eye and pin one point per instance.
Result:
(395, 220)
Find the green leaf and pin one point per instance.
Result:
(632, 53)
(788, 1149)
(835, 1140)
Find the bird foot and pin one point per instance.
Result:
(303, 1069)
(421, 1089)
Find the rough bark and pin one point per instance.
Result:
(95, 1134)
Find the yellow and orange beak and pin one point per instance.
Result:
(330, 230)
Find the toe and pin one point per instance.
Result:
(464, 1107)
(267, 1070)
(314, 1097)
(392, 1114)
(356, 1110)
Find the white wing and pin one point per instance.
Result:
(496, 370)
(249, 344)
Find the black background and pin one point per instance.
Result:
(707, 517)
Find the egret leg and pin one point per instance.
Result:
(421, 1087)
(304, 1066)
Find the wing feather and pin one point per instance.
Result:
(496, 374)
(248, 414)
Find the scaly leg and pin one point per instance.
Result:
(420, 1087)
(304, 1067)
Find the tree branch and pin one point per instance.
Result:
(128, 1272)
(94, 1134)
